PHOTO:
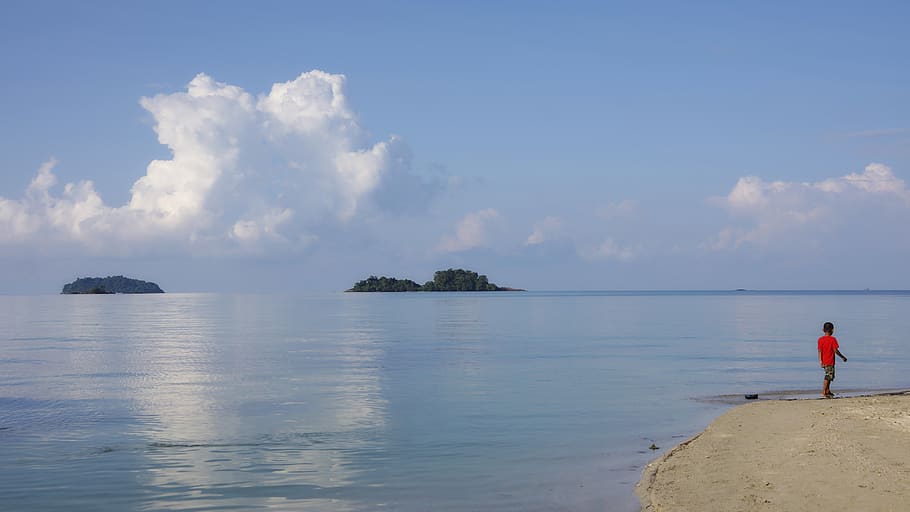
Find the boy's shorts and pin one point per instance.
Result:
(829, 373)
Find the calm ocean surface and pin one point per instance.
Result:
(413, 402)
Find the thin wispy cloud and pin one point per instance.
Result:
(873, 133)
(621, 209)
(545, 230)
(473, 231)
(610, 249)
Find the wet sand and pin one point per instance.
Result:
(844, 454)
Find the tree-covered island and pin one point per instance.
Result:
(451, 280)
(109, 284)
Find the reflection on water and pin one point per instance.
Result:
(510, 401)
(208, 400)
(249, 411)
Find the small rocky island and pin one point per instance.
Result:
(451, 280)
(110, 284)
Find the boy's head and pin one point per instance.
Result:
(828, 328)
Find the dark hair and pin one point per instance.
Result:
(828, 328)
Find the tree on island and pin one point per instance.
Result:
(458, 280)
(110, 284)
(451, 280)
(385, 284)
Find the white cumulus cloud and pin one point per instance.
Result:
(245, 170)
(75, 213)
(782, 209)
(876, 178)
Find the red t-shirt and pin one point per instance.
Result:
(828, 345)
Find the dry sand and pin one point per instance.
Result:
(845, 454)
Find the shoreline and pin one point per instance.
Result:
(790, 454)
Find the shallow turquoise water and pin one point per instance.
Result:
(492, 401)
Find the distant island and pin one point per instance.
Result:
(451, 280)
(110, 284)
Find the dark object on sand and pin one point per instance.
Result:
(751, 397)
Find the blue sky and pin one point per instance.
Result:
(658, 145)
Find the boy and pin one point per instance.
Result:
(827, 348)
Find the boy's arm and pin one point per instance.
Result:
(820, 358)
(837, 351)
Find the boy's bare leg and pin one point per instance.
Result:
(826, 389)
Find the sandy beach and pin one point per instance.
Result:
(845, 454)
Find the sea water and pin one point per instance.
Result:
(412, 402)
